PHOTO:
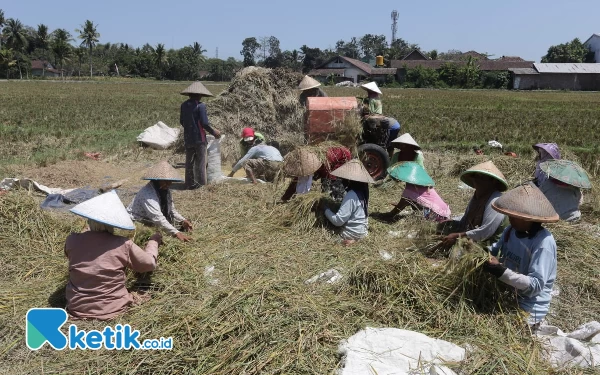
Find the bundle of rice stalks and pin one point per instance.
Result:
(304, 212)
(264, 99)
(516, 170)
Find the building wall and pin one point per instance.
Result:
(557, 81)
(39, 73)
(594, 45)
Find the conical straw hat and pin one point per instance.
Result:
(488, 169)
(568, 172)
(301, 162)
(410, 172)
(371, 86)
(526, 202)
(406, 139)
(196, 88)
(353, 170)
(308, 83)
(106, 209)
(162, 171)
(551, 148)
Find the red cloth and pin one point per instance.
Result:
(336, 157)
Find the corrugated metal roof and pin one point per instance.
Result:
(523, 70)
(568, 68)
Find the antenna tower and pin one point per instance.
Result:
(394, 25)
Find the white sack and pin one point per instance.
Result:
(26, 183)
(580, 348)
(396, 351)
(159, 136)
(213, 159)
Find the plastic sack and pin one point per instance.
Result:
(214, 173)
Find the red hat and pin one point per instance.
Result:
(247, 132)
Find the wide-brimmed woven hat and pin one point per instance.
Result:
(162, 171)
(526, 202)
(550, 148)
(308, 83)
(353, 170)
(301, 162)
(406, 139)
(410, 172)
(486, 169)
(106, 209)
(371, 86)
(196, 88)
(568, 172)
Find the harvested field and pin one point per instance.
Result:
(254, 314)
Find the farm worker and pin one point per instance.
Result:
(250, 138)
(562, 184)
(261, 161)
(153, 204)
(545, 152)
(352, 216)
(300, 164)
(195, 124)
(418, 193)
(525, 255)
(372, 104)
(480, 221)
(409, 150)
(393, 130)
(335, 157)
(310, 88)
(98, 260)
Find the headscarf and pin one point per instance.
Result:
(361, 189)
(547, 151)
(336, 157)
(96, 226)
(163, 200)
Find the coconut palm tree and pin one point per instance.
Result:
(60, 46)
(42, 37)
(89, 37)
(15, 34)
(160, 56)
(7, 59)
(2, 22)
(80, 53)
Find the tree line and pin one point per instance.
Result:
(75, 54)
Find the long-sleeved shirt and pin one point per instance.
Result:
(531, 269)
(564, 198)
(194, 120)
(373, 106)
(244, 147)
(97, 263)
(351, 217)
(419, 159)
(146, 207)
(492, 220)
(259, 151)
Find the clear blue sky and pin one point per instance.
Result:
(510, 27)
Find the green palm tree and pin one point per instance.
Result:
(7, 59)
(89, 37)
(15, 34)
(80, 53)
(61, 46)
(160, 55)
(41, 36)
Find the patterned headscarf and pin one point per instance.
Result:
(547, 151)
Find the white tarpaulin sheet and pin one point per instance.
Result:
(159, 136)
(392, 351)
(26, 183)
(580, 348)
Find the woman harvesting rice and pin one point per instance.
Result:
(480, 221)
(525, 255)
(352, 217)
(372, 103)
(153, 205)
(418, 193)
(409, 150)
(545, 152)
(98, 260)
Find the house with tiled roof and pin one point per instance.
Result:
(42, 68)
(343, 68)
(593, 43)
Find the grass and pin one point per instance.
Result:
(254, 314)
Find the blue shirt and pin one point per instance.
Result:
(533, 261)
(351, 217)
(260, 151)
(194, 120)
(393, 123)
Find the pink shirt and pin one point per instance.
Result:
(428, 198)
(97, 263)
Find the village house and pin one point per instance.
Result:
(41, 68)
(343, 68)
(593, 43)
(555, 76)
(416, 58)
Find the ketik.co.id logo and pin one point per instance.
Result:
(43, 325)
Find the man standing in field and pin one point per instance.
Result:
(195, 123)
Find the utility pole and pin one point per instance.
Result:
(394, 25)
(217, 53)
